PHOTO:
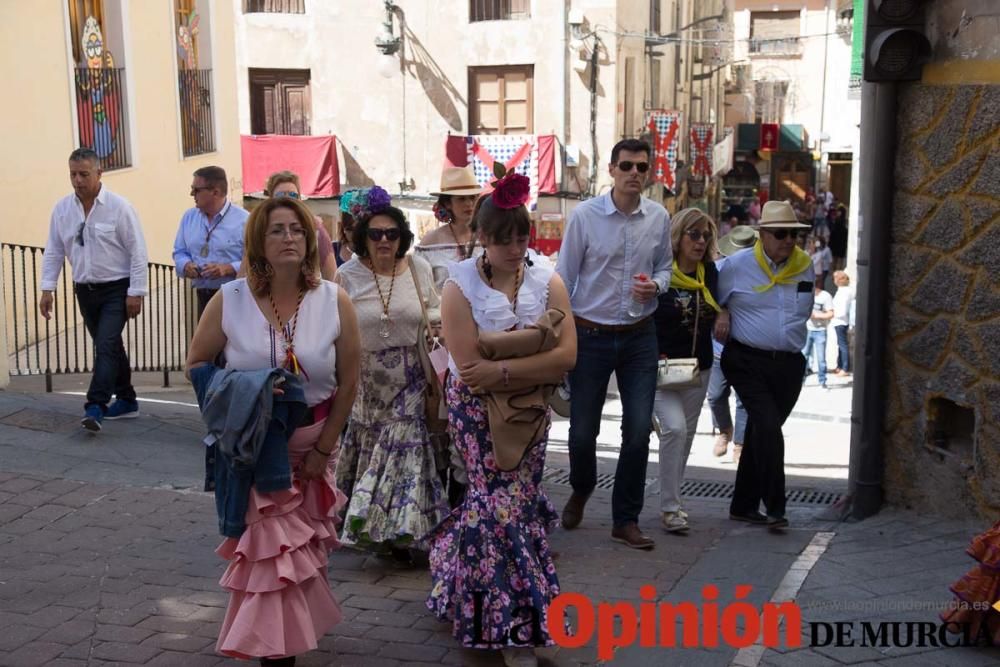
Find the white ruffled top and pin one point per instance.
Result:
(491, 309)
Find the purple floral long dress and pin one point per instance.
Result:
(491, 567)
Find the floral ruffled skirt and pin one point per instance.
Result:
(280, 602)
(491, 567)
(979, 589)
(387, 467)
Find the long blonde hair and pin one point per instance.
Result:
(685, 220)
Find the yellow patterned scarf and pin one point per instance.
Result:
(680, 280)
(796, 264)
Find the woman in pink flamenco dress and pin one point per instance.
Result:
(283, 315)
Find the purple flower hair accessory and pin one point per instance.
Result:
(370, 201)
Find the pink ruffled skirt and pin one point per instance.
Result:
(280, 602)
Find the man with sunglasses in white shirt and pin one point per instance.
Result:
(766, 292)
(209, 244)
(615, 250)
(99, 232)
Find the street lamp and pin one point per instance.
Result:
(387, 42)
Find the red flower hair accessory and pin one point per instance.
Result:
(511, 189)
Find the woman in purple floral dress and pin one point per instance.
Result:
(493, 574)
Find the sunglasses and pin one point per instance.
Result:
(782, 234)
(696, 236)
(195, 191)
(379, 234)
(289, 194)
(626, 165)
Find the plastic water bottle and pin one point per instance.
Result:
(636, 307)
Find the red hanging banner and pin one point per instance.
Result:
(702, 137)
(769, 133)
(665, 127)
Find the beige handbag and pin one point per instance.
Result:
(436, 411)
(681, 373)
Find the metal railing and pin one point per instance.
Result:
(102, 114)
(499, 10)
(786, 46)
(197, 123)
(157, 340)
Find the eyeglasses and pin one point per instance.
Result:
(279, 233)
(782, 234)
(195, 191)
(79, 233)
(291, 194)
(626, 165)
(379, 234)
(696, 236)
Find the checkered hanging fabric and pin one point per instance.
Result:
(665, 127)
(702, 136)
(516, 151)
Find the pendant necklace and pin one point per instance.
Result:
(384, 323)
(287, 333)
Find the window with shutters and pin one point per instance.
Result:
(280, 102)
(99, 79)
(274, 6)
(499, 10)
(501, 100)
(193, 34)
(775, 33)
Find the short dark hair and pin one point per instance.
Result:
(631, 145)
(361, 226)
(215, 177)
(83, 154)
(500, 225)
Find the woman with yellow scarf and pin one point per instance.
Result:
(684, 319)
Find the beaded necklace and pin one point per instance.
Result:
(287, 332)
(518, 280)
(384, 323)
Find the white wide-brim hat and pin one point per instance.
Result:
(779, 214)
(458, 181)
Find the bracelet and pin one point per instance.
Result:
(506, 373)
(317, 449)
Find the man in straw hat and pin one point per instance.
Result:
(768, 292)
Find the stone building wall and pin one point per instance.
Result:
(944, 303)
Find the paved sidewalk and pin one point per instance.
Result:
(106, 557)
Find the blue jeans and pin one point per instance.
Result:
(816, 339)
(631, 356)
(843, 351)
(103, 310)
(718, 400)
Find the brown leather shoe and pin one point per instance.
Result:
(572, 514)
(631, 536)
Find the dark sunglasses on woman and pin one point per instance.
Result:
(379, 234)
(696, 236)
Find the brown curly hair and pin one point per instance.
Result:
(259, 270)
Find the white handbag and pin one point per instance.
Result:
(681, 373)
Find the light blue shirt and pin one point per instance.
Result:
(770, 320)
(224, 243)
(602, 248)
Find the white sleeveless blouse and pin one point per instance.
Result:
(252, 344)
(491, 309)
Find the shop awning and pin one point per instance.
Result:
(314, 159)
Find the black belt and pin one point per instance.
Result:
(610, 328)
(770, 354)
(97, 286)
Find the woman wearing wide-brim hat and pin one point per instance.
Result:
(454, 240)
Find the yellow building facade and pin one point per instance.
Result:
(169, 106)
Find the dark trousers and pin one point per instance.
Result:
(631, 356)
(204, 296)
(843, 349)
(103, 308)
(769, 386)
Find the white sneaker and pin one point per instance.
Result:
(674, 522)
(519, 657)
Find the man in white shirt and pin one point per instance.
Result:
(99, 232)
(615, 250)
(816, 330)
(767, 296)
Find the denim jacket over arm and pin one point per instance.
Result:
(250, 427)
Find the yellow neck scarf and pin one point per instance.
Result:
(796, 264)
(681, 280)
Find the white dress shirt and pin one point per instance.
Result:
(843, 305)
(113, 245)
(773, 320)
(602, 248)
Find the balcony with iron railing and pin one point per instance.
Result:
(102, 114)
(197, 122)
(776, 47)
